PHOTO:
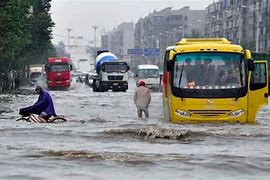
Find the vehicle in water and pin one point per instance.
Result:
(149, 73)
(210, 80)
(111, 74)
(36, 72)
(58, 72)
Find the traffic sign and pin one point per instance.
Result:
(135, 51)
(151, 52)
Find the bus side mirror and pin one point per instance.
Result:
(250, 65)
(169, 65)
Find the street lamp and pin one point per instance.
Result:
(95, 35)
(68, 30)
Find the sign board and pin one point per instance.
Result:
(135, 51)
(151, 52)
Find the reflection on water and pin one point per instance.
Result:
(103, 139)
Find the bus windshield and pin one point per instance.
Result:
(148, 73)
(209, 71)
(59, 67)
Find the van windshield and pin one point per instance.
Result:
(148, 73)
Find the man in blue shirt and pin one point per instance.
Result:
(43, 106)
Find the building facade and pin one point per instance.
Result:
(164, 28)
(244, 22)
(119, 40)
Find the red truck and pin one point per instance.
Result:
(58, 72)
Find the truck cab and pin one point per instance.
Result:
(111, 74)
(58, 73)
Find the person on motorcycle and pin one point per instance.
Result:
(43, 106)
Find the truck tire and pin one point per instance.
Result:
(94, 86)
(101, 89)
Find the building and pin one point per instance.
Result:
(244, 22)
(119, 40)
(164, 28)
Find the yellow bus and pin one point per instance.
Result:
(212, 80)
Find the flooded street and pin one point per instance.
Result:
(104, 139)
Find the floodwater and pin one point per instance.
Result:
(103, 139)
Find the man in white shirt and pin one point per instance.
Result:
(142, 98)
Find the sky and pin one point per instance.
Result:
(82, 15)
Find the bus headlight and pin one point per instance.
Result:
(182, 113)
(236, 113)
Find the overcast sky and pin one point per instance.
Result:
(81, 15)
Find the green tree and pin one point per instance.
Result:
(14, 32)
(41, 26)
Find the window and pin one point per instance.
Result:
(258, 76)
(59, 67)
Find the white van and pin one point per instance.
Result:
(150, 74)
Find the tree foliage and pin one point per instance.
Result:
(41, 26)
(14, 31)
(25, 36)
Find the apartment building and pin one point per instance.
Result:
(167, 26)
(119, 40)
(244, 22)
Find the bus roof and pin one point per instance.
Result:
(170, 48)
(207, 45)
(188, 41)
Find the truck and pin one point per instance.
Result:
(36, 72)
(149, 73)
(58, 72)
(213, 80)
(110, 73)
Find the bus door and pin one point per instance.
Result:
(258, 89)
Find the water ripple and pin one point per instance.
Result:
(122, 157)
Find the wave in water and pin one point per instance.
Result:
(122, 157)
(196, 134)
(153, 132)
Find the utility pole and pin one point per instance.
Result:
(69, 30)
(95, 35)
